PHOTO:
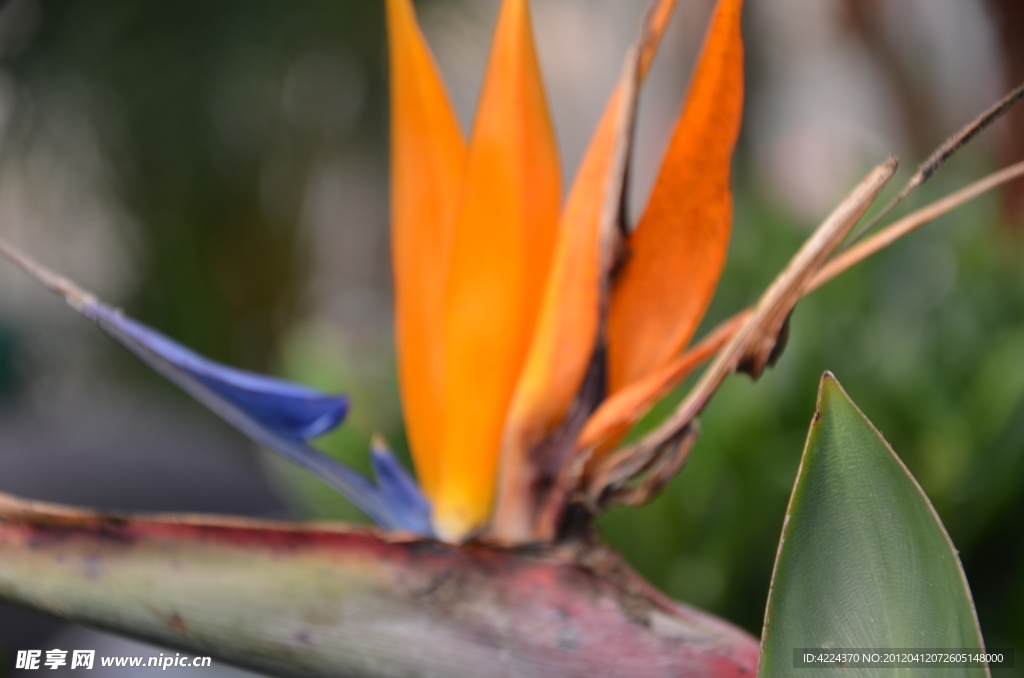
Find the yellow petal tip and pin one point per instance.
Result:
(455, 524)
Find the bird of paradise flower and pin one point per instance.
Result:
(499, 288)
(533, 333)
(511, 328)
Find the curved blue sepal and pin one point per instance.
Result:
(400, 491)
(276, 414)
(290, 410)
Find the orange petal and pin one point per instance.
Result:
(678, 249)
(427, 163)
(613, 419)
(501, 251)
(567, 328)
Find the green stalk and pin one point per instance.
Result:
(326, 600)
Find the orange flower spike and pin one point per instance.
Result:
(567, 328)
(501, 250)
(566, 334)
(427, 163)
(677, 252)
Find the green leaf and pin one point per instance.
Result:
(864, 561)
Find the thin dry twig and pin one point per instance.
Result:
(751, 345)
(754, 342)
(944, 152)
(847, 259)
(890, 234)
(74, 295)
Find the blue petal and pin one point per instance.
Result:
(231, 394)
(276, 414)
(288, 409)
(400, 491)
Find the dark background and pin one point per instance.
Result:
(220, 170)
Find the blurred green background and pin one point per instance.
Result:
(220, 170)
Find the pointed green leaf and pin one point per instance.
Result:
(864, 561)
